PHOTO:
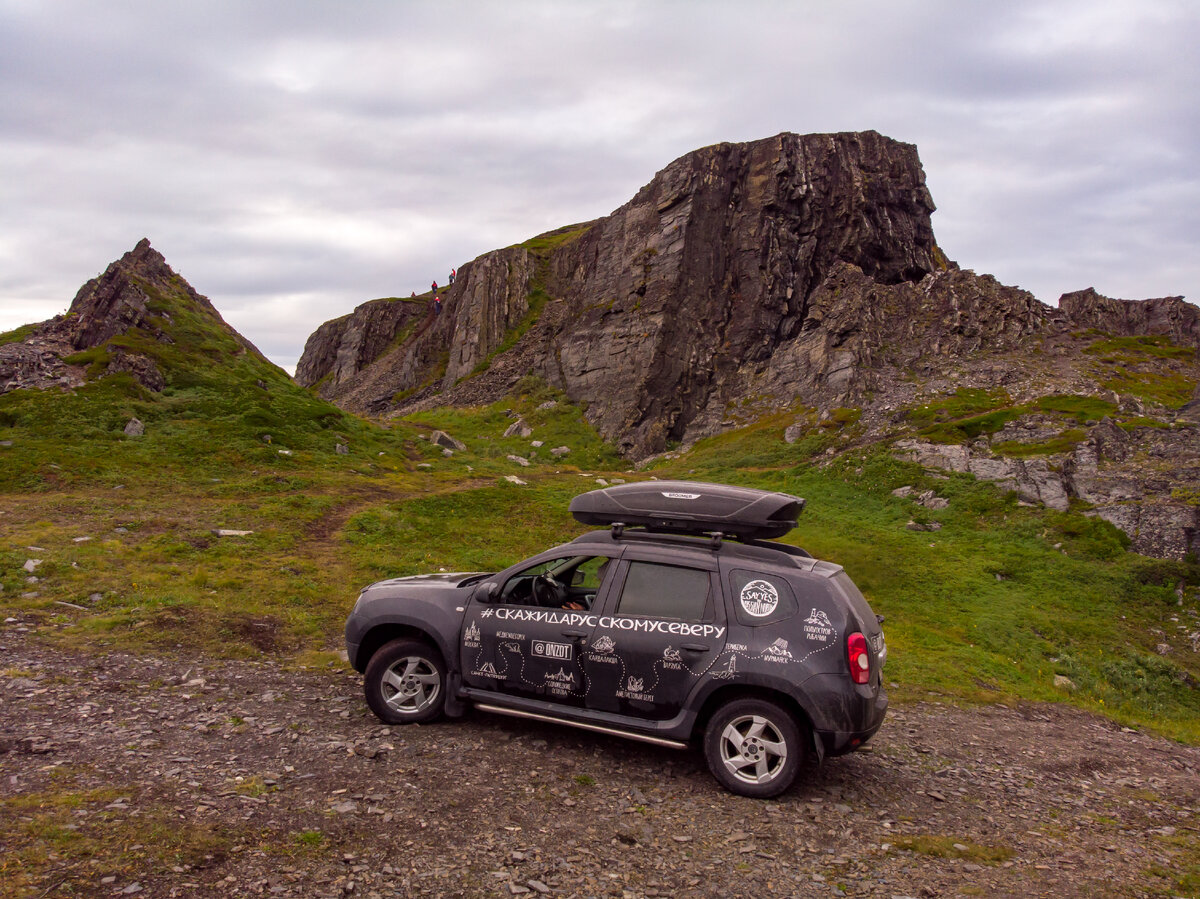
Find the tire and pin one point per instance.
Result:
(405, 682)
(754, 747)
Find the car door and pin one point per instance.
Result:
(662, 630)
(526, 640)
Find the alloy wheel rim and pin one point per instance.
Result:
(411, 685)
(752, 749)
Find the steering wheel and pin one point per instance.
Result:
(547, 591)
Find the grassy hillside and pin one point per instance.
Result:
(990, 607)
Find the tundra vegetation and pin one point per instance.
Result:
(990, 606)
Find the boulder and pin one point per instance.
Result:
(441, 438)
(518, 429)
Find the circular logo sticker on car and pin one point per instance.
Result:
(760, 598)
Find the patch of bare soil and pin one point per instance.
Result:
(177, 777)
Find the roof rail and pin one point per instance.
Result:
(621, 532)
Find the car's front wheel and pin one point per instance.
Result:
(405, 682)
(754, 747)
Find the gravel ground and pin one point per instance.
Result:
(194, 777)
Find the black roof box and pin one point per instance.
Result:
(690, 507)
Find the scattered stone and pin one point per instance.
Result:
(134, 428)
(524, 463)
(228, 532)
(536, 444)
(560, 451)
(1063, 682)
(31, 565)
(930, 501)
(441, 438)
(81, 539)
(902, 491)
(285, 452)
(549, 404)
(342, 449)
(447, 453)
(513, 479)
(424, 465)
(929, 526)
(518, 429)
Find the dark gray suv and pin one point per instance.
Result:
(680, 621)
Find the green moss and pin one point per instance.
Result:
(1083, 409)
(965, 429)
(1170, 390)
(17, 335)
(544, 244)
(964, 403)
(1136, 349)
(1063, 443)
(940, 846)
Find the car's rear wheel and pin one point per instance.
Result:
(405, 682)
(754, 747)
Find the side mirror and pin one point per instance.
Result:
(486, 592)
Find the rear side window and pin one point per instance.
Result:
(760, 598)
(664, 591)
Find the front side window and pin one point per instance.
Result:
(570, 583)
(665, 591)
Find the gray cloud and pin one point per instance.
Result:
(293, 159)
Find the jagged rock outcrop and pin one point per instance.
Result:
(135, 292)
(340, 348)
(697, 278)
(1168, 316)
(801, 273)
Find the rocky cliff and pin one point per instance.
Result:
(660, 307)
(801, 273)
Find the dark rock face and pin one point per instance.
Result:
(109, 306)
(339, 349)
(698, 277)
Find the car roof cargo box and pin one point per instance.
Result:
(690, 507)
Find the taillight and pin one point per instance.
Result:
(856, 655)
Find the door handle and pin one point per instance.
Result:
(694, 647)
(573, 632)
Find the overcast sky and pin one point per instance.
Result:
(294, 159)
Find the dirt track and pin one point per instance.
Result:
(169, 777)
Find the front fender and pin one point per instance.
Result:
(367, 630)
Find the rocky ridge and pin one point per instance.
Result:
(800, 273)
(128, 296)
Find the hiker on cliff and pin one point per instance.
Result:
(435, 286)
(453, 272)
(437, 305)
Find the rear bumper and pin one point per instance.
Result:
(839, 742)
